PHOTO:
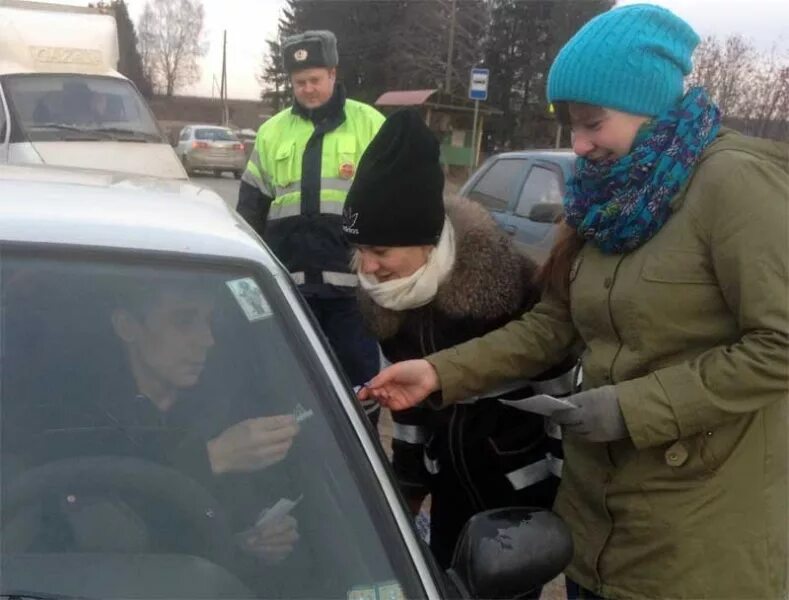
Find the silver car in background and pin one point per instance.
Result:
(211, 148)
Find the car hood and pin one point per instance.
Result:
(107, 179)
(137, 158)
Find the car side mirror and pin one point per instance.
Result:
(507, 552)
(546, 212)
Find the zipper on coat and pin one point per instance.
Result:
(461, 473)
(607, 482)
(477, 497)
(613, 323)
(455, 430)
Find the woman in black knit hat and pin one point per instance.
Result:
(434, 273)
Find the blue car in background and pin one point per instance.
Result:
(523, 192)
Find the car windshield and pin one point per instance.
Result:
(215, 134)
(168, 427)
(50, 107)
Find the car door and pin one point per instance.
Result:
(4, 127)
(496, 189)
(538, 205)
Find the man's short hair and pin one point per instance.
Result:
(141, 294)
(310, 49)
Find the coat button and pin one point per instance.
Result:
(676, 455)
(608, 283)
(709, 434)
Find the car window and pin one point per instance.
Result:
(542, 185)
(494, 189)
(185, 134)
(170, 417)
(215, 135)
(55, 107)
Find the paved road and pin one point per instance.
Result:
(225, 186)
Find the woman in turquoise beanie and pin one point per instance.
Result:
(672, 270)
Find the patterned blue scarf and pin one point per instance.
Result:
(619, 204)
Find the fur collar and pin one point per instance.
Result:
(491, 278)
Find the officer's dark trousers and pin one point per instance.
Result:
(355, 348)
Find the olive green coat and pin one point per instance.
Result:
(693, 328)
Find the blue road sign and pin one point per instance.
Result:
(478, 87)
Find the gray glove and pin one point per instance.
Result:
(598, 417)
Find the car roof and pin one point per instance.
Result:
(206, 126)
(73, 207)
(548, 153)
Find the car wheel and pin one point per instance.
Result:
(217, 173)
(238, 174)
(185, 162)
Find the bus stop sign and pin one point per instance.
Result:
(478, 88)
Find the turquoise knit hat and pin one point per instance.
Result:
(632, 59)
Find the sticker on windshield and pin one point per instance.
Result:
(388, 590)
(302, 414)
(362, 593)
(250, 298)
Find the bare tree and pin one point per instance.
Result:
(171, 40)
(749, 86)
(722, 68)
(767, 94)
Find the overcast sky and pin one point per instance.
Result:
(250, 23)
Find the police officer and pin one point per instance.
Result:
(293, 193)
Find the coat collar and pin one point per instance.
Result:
(491, 279)
(330, 112)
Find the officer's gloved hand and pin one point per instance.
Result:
(597, 417)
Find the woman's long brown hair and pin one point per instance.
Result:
(554, 275)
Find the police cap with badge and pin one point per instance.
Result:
(309, 50)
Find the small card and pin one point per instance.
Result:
(541, 404)
(281, 508)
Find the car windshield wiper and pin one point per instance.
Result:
(100, 133)
(26, 595)
(131, 134)
(84, 133)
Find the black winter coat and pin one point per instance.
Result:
(479, 454)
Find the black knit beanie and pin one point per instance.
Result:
(396, 198)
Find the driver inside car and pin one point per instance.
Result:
(151, 398)
(167, 336)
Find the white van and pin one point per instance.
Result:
(63, 103)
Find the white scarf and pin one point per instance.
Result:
(420, 288)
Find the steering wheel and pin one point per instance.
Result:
(119, 476)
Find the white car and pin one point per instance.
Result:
(62, 100)
(173, 426)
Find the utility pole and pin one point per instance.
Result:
(214, 86)
(450, 50)
(223, 92)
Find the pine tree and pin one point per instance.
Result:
(523, 39)
(129, 61)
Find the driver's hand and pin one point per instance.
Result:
(252, 444)
(273, 542)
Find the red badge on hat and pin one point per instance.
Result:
(347, 170)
